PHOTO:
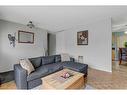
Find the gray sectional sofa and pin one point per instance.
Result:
(44, 66)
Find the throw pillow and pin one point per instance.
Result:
(27, 65)
(65, 57)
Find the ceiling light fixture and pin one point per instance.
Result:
(30, 24)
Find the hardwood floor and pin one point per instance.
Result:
(9, 85)
(98, 79)
(103, 80)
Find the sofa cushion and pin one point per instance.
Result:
(45, 70)
(76, 66)
(48, 60)
(57, 58)
(36, 61)
(40, 72)
(54, 67)
(72, 59)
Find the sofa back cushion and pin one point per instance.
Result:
(48, 60)
(36, 61)
(72, 59)
(57, 58)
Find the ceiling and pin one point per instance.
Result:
(58, 18)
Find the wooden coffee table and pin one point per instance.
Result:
(55, 81)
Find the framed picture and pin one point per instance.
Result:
(82, 37)
(25, 37)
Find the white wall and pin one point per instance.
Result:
(60, 42)
(9, 55)
(97, 54)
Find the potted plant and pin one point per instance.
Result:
(125, 44)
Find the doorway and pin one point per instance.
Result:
(51, 44)
(119, 50)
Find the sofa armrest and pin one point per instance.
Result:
(20, 75)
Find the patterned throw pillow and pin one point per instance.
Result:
(65, 57)
(27, 65)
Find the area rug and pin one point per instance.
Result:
(87, 87)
